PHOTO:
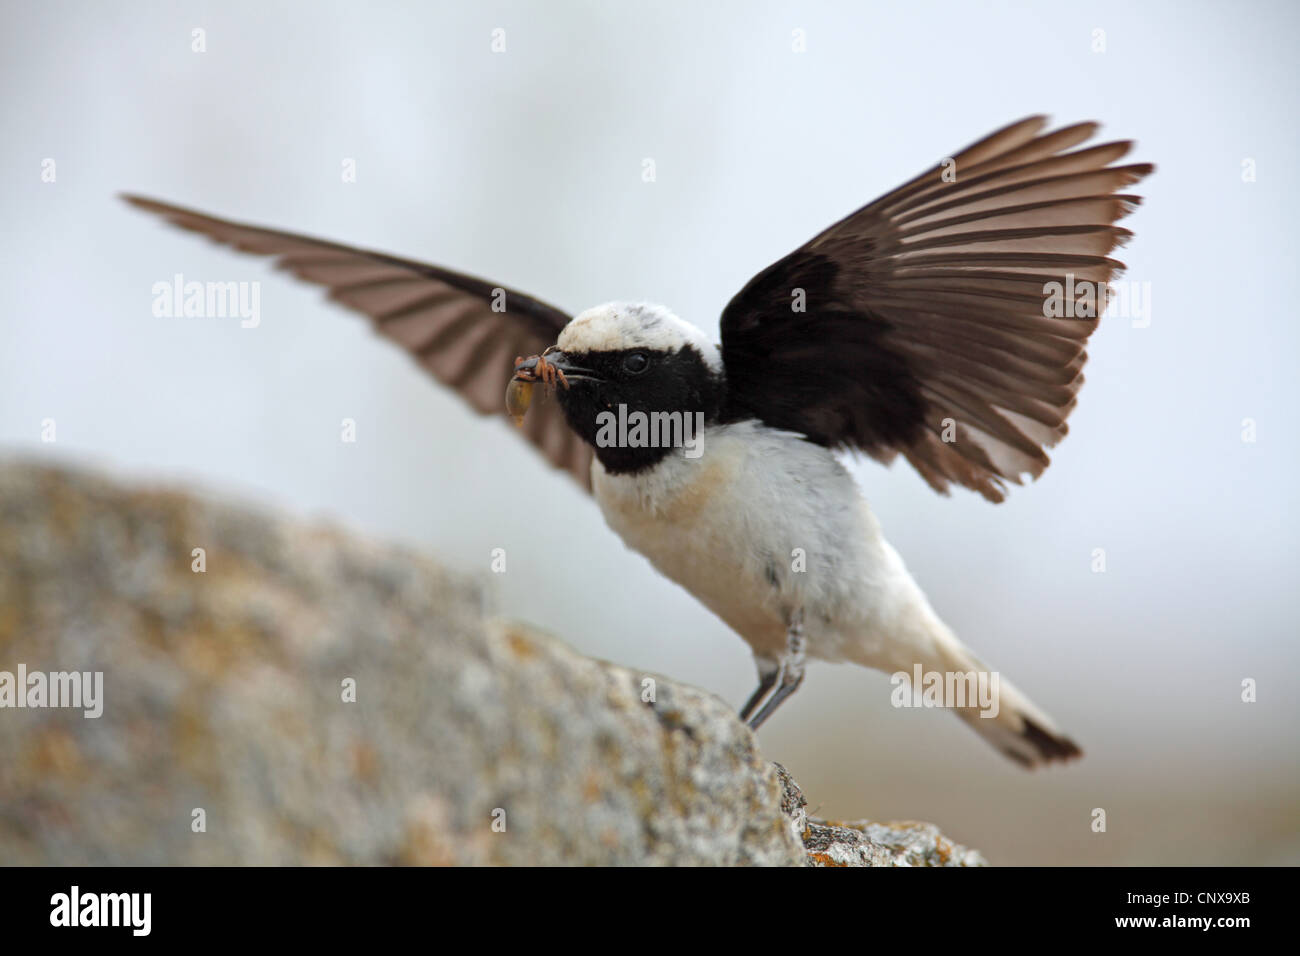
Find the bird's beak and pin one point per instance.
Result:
(572, 370)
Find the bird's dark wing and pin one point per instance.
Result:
(926, 327)
(443, 318)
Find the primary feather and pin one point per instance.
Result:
(923, 312)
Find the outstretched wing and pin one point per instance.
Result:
(443, 318)
(930, 317)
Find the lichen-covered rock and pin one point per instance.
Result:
(863, 843)
(293, 695)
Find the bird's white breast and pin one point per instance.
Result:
(761, 523)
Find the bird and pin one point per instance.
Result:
(915, 326)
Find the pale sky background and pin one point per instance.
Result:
(525, 167)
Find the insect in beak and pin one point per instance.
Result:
(529, 371)
(519, 395)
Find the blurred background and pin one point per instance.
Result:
(525, 166)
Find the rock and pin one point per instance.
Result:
(863, 843)
(230, 734)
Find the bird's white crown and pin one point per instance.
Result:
(616, 326)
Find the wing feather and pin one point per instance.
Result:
(444, 319)
(925, 329)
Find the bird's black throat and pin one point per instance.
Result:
(635, 419)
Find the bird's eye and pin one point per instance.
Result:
(636, 363)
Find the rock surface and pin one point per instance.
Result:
(228, 734)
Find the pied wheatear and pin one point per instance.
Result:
(917, 325)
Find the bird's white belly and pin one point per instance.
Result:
(760, 524)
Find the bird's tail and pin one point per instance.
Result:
(1017, 727)
(942, 671)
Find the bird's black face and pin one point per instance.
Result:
(636, 406)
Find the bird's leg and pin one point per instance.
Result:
(790, 673)
(766, 681)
